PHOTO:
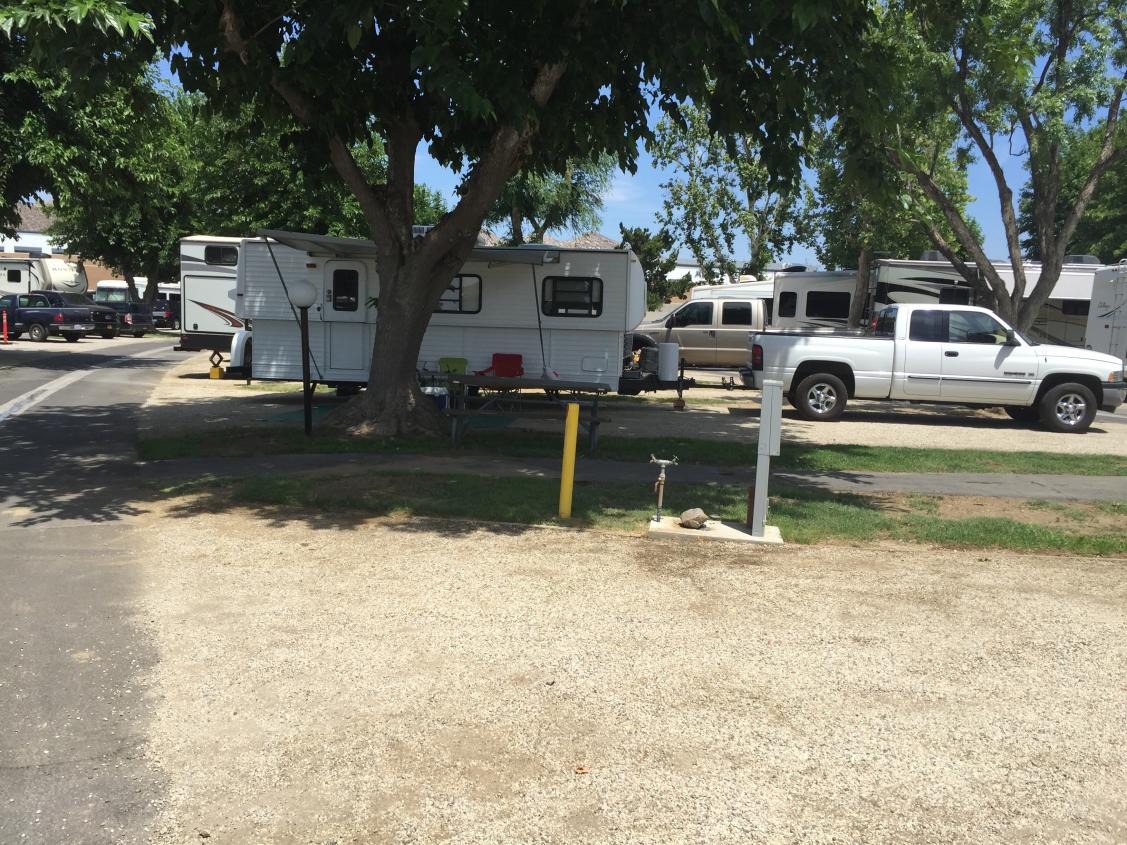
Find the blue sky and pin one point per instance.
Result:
(635, 199)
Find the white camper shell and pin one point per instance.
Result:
(21, 273)
(1107, 320)
(208, 265)
(578, 305)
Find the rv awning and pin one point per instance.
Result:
(327, 246)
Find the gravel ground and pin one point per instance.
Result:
(176, 405)
(330, 681)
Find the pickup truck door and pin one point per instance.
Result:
(978, 366)
(922, 367)
(694, 330)
(738, 319)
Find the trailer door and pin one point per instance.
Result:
(345, 311)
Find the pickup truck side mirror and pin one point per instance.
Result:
(1011, 338)
(671, 321)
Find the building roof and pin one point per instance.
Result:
(34, 218)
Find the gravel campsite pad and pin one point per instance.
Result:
(330, 679)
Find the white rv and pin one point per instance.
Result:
(24, 273)
(577, 305)
(1107, 319)
(117, 290)
(812, 300)
(208, 266)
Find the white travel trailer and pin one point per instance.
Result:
(117, 290)
(1107, 320)
(812, 300)
(566, 312)
(208, 266)
(24, 273)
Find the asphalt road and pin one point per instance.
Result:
(71, 651)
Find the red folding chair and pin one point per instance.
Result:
(505, 365)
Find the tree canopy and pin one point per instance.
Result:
(550, 202)
(656, 254)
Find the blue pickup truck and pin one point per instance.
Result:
(43, 313)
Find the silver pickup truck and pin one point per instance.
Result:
(955, 354)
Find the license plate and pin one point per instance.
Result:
(81, 328)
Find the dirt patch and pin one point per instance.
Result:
(1092, 517)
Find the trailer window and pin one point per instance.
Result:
(930, 326)
(1075, 307)
(346, 290)
(829, 305)
(788, 303)
(735, 314)
(14, 277)
(462, 297)
(225, 255)
(572, 297)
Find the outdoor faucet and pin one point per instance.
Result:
(659, 485)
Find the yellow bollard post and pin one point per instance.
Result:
(567, 476)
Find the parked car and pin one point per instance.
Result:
(954, 354)
(166, 314)
(136, 317)
(711, 332)
(46, 312)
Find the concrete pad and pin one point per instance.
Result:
(733, 532)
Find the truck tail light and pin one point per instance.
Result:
(58, 318)
(756, 356)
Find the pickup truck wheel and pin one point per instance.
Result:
(1068, 407)
(37, 332)
(1022, 413)
(820, 397)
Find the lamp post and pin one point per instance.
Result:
(302, 296)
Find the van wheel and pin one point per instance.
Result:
(37, 332)
(1068, 407)
(820, 397)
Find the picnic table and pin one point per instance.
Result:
(507, 396)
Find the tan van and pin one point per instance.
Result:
(711, 332)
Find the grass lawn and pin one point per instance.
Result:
(526, 444)
(802, 516)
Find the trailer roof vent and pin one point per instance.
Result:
(931, 255)
(1082, 259)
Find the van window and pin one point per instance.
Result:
(829, 305)
(346, 290)
(462, 297)
(225, 255)
(768, 307)
(694, 314)
(14, 277)
(930, 326)
(572, 297)
(788, 303)
(735, 314)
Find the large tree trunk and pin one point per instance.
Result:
(130, 284)
(860, 287)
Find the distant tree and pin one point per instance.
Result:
(120, 180)
(251, 172)
(550, 202)
(1102, 230)
(658, 257)
(722, 188)
(1017, 77)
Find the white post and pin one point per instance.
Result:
(770, 423)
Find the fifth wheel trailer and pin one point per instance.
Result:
(567, 312)
(1107, 319)
(24, 273)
